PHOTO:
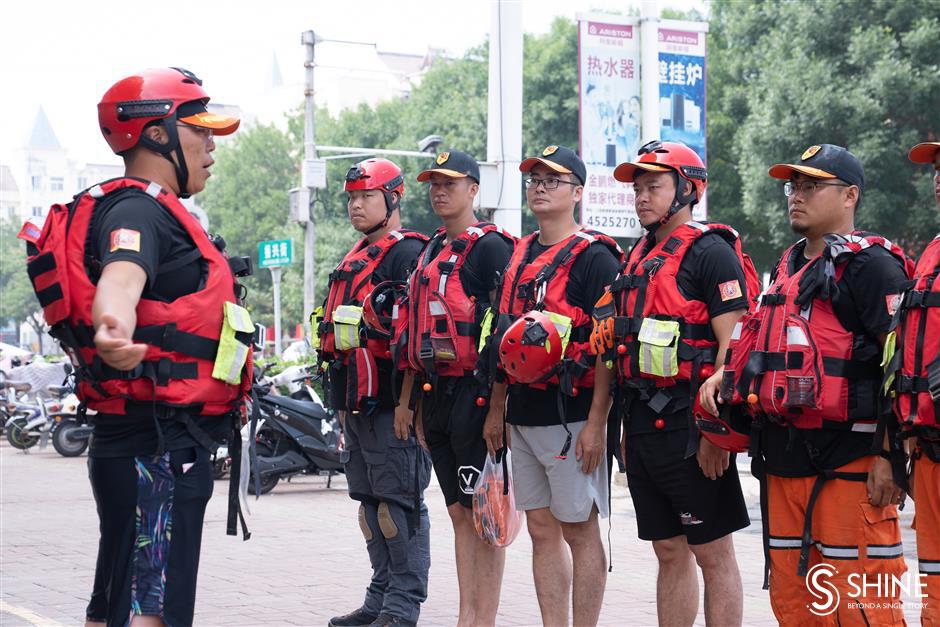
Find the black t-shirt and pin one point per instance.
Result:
(488, 257)
(395, 266)
(867, 284)
(138, 229)
(593, 270)
(707, 264)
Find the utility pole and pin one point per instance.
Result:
(309, 41)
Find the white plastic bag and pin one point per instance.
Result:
(494, 502)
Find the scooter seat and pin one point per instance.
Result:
(304, 408)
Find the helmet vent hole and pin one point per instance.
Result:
(522, 357)
(105, 130)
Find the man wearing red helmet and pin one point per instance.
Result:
(450, 291)
(812, 377)
(664, 325)
(385, 474)
(562, 270)
(145, 303)
(912, 374)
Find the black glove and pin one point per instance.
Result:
(818, 281)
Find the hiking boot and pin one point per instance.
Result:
(356, 618)
(388, 619)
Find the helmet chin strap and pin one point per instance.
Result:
(391, 203)
(679, 201)
(172, 145)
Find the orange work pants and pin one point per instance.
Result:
(927, 523)
(849, 536)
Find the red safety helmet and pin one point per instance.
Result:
(730, 429)
(380, 174)
(135, 101)
(657, 156)
(167, 95)
(379, 306)
(530, 348)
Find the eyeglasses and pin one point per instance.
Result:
(808, 188)
(203, 132)
(549, 184)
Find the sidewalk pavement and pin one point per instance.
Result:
(306, 560)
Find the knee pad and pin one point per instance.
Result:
(364, 524)
(386, 522)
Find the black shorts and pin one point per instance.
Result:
(150, 511)
(673, 497)
(453, 430)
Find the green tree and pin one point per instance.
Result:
(18, 302)
(246, 200)
(787, 75)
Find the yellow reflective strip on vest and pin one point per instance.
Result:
(315, 317)
(486, 328)
(232, 353)
(891, 345)
(563, 325)
(346, 320)
(659, 342)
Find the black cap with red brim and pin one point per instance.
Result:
(454, 164)
(559, 159)
(824, 161)
(195, 114)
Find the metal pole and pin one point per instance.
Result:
(649, 71)
(309, 41)
(504, 111)
(276, 280)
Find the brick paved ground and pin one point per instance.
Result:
(306, 561)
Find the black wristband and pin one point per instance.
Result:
(885, 455)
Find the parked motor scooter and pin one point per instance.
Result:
(295, 437)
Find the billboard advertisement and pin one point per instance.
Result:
(612, 108)
(610, 124)
(682, 92)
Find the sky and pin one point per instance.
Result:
(63, 55)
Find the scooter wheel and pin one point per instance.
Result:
(65, 446)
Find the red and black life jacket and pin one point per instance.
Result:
(798, 365)
(543, 284)
(646, 288)
(182, 336)
(916, 361)
(444, 319)
(349, 284)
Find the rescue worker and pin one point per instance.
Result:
(450, 290)
(807, 363)
(385, 474)
(559, 453)
(145, 304)
(914, 369)
(665, 324)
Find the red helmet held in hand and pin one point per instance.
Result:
(530, 348)
(730, 429)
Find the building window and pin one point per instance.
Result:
(82, 182)
(36, 182)
(38, 212)
(56, 184)
(11, 213)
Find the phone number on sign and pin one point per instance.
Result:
(612, 222)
